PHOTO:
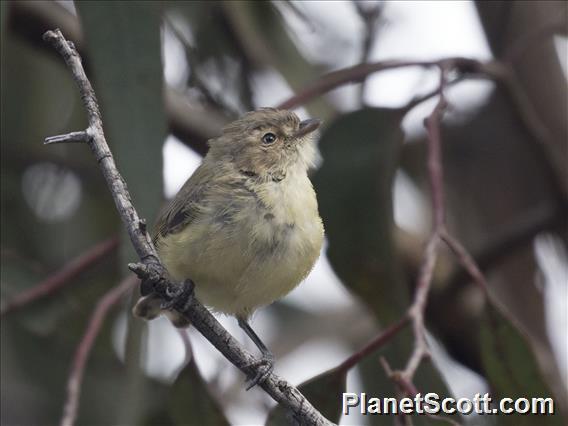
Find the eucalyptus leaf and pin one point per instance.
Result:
(191, 402)
(511, 368)
(323, 391)
(360, 153)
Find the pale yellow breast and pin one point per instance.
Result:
(261, 252)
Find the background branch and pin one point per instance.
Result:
(62, 277)
(76, 374)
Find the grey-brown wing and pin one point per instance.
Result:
(185, 206)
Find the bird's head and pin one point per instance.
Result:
(268, 142)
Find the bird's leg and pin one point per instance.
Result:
(266, 363)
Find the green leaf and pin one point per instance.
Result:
(323, 391)
(123, 43)
(511, 369)
(354, 188)
(190, 401)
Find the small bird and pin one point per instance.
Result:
(245, 227)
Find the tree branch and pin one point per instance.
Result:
(62, 277)
(151, 270)
(435, 172)
(76, 374)
(360, 72)
(380, 340)
(404, 378)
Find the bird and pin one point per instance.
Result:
(245, 227)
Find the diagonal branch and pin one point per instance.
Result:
(62, 277)
(152, 271)
(104, 305)
(360, 72)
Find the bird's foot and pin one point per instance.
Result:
(263, 367)
(178, 296)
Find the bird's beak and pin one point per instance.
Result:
(307, 126)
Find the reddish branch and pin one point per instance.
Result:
(435, 172)
(380, 340)
(358, 73)
(62, 277)
(404, 378)
(76, 374)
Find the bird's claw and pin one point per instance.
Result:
(264, 366)
(178, 295)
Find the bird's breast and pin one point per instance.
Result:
(252, 250)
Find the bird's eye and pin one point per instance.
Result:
(268, 138)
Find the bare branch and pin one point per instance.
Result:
(435, 172)
(152, 271)
(465, 260)
(358, 73)
(404, 378)
(380, 340)
(371, 16)
(84, 348)
(354, 74)
(62, 277)
(68, 138)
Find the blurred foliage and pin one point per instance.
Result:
(55, 205)
(361, 242)
(510, 366)
(324, 391)
(361, 235)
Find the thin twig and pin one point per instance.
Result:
(358, 73)
(379, 341)
(76, 374)
(195, 79)
(61, 278)
(435, 172)
(68, 138)
(466, 260)
(153, 272)
(404, 378)
(371, 16)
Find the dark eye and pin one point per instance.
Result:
(268, 138)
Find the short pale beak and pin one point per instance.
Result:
(307, 126)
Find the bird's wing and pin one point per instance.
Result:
(186, 205)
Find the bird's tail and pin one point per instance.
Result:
(150, 307)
